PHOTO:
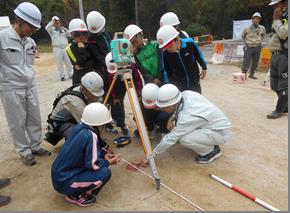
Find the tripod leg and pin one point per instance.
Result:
(110, 89)
(142, 129)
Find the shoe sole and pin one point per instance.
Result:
(4, 185)
(270, 117)
(217, 156)
(30, 164)
(75, 202)
(44, 156)
(6, 202)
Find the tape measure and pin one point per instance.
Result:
(122, 141)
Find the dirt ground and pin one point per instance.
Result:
(255, 158)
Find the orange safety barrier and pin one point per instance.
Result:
(219, 49)
(265, 56)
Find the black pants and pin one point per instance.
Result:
(152, 117)
(118, 110)
(279, 80)
(282, 103)
(78, 74)
(252, 54)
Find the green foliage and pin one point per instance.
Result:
(196, 16)
(197, 29)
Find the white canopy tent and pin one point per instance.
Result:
(239, 26)
(4, 22)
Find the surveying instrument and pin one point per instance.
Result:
(120, 49)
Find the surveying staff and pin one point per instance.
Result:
(78, 51)
(179, 61)
(199, 124)
(279, 61)
(253, 37)
(69, 105)
(59, 36)
(17, 83)
(172, 19)
(119, 91)
(81, 168)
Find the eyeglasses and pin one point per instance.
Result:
(79, 33)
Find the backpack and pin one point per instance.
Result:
(52, 135)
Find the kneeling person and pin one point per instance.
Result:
(69, 105)
(81, 168)
(199, 124)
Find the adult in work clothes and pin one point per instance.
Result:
(17, 83)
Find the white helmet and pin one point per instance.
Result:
(274, 2)
(168, 95)
(169, 18)
(256, 14)
(77, 25)
(166, 34)
(55, 18)
(93, 82)
(149, 95)
(96, 114)
(111, 66)
(29, 13)
(131, 30)
(96, 21)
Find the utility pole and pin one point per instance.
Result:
(81, 9)
(136, 12)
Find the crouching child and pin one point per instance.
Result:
(81, 168)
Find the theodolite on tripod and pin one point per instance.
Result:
(120, 48)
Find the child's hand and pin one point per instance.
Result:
(202, 74)
(113, 159)
(81, 44)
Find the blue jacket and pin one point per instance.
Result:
(181, 68)
(81, 152)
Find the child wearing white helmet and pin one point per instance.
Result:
(151, 112)
(69, 105)
(99, 42)
(81, 168)
(146, 55)
(199, 124)
(78, 50)
(119, 91)
(17, 74)
(172, 19)
(180, 60)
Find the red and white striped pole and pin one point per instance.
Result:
(243, 192)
